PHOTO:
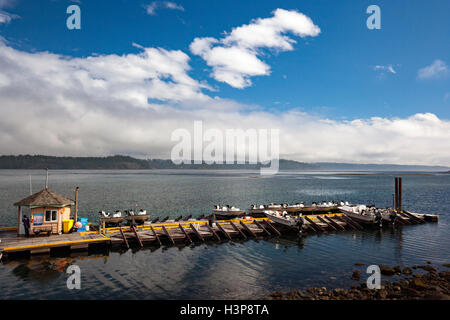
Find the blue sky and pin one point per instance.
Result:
(345, 72)
(331, 74)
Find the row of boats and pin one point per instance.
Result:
(283, 214)
(292, 215)
(258, 210)
(117, 217)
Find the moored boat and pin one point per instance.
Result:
(363, 214)
(227, 212)
(111, 219)
(139, 217)
(285, 219)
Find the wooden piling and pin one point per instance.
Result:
(262, 227)
(238, 230)
(168, 235)
(223, 231)
(352, 221)
(248, 229)
(271, 227)
(336, 225)
(156, 235)
(400, 194)
(327, 223)
(196, 232)
(124, 238)
(315, 225)
(412, 217)
(213, 232)
(185, 233)
(138, 238)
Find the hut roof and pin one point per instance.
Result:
(45, 197)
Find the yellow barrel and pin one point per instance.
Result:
(67, 225)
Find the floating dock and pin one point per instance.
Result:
(185, 233)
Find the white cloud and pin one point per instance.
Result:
(97, 106)
(436, 69)
(388, 68)
(6, 17)
(156, 5)
(235, 58)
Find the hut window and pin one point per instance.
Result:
(51, 215)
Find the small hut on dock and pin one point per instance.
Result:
(48, 210)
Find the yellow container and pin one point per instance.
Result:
(67, 225)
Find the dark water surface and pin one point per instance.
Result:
(250, 269)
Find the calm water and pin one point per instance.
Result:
(250, 269)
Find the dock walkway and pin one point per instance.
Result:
(173, 232)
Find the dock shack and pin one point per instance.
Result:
(47, 211)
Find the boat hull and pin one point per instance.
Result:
(228, 214)
(138, 218)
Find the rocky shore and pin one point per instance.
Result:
(419, 282)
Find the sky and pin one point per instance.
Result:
(138, 70)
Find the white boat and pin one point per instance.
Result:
(362, 213)
(227, 211)
(284, 218)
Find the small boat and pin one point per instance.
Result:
(284, 218)
(362, 213)
(111, 219)
(227, 212)
(139, 217)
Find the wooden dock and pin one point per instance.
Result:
(185, 232)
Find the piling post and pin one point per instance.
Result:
(396, 194)
(399, 194)
(76, 205)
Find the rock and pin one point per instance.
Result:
(428, 262)
(397, 269)
(407, 271)
(276, 294)
(427, 268)
(382, 294)
(356, 275)
(387, 271)
(419, 284)
(411, 292)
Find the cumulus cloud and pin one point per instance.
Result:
(436, 69)
(156, 5)
(236, 57)
(131, 104)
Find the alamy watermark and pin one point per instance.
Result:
(74, 20)
(230, 146)
(74, 280)
(374, 20)
(374, 280)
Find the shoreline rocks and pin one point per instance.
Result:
(432, 285)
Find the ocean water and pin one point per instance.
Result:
(238, 270)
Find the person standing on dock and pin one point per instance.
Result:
(26, 225)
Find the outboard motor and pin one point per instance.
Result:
(378, 218)
(300, 223)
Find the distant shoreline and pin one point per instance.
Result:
(119, 162)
